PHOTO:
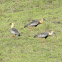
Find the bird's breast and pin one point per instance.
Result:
(13, 32)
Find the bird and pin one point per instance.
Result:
(14, 31)
(45, 35)
(35, 23)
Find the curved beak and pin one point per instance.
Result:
(45, 19)
(54, 33)
(10, 24)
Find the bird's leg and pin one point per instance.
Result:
(31, 28)
(41, 40)
(15, 35)
(35, 28)
(45, 39)
(12, 35)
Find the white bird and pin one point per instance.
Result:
(14, 30)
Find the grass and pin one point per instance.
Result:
(26, 48)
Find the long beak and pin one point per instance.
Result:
(10, 24)
(45, 20)
(54, 33)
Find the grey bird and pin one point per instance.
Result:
(34, 23)
(14, 30)
(44, 35)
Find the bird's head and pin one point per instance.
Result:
(52, 32)
(12, 24)
(42, 20)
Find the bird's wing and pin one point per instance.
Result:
(42, 35)
(15, 31)
(33, 23)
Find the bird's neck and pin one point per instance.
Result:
(41, 21)
(12, 25)
(50, 33)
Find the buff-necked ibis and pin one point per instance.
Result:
(35, 23)
(14, 31)
(44, 35)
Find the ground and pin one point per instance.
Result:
(26, 48)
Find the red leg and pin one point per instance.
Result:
(41, 40)
(15, 35)
(35, 28)
(45, 39)
(31, 28)
(12, 35)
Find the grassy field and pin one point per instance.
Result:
(26, 48)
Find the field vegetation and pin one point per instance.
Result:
(26, 48)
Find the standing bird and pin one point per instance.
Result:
(44, 35)
(13, 30)
(34, 23)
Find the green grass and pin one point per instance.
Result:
(26, 48)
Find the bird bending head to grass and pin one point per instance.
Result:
(14, 31)
(35, 23)
(44, 35)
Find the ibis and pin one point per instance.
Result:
(14, 31)
(35, 23)
(44, 35)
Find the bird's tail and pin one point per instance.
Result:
(35, 36)
(25, 26)
(18, 34)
